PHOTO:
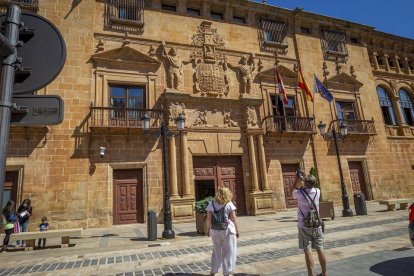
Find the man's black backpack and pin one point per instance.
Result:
(218, 218)
(311, 219)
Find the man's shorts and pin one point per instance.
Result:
(310, 237)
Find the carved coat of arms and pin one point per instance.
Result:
(210, 79)
(210, 70)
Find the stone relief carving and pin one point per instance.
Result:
(251, 116)
(228, 121)
(210, 73)
(175, 110)
(201, 118)
(245, 70)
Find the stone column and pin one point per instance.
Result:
(253, 166)
(173, 168)
(398, 112)
(205, 9)
(262, 158)
(385, 62)
(406, 66)
(397, 63)
(184, 158)
(374, 58)
(182, 6)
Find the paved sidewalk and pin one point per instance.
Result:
(267, 246)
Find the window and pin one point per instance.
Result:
(217, 15)
(334, 42)
(354, 40)
(386, 106)
(239, 19)
(125, 12)
(390, 62)
(380, 62)
(280, 110)
(345, 111)
(127, 97)
(193, 12)
(166, 7)
(406, 107)
(304, 30)
(273, 31)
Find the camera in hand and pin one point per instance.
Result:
(300, 173)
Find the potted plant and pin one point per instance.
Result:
(326, 208)
(201, 214)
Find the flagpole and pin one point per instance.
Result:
(278, 92)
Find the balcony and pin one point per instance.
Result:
(122, 118)
(289, 124)
(32, 5)
(125, 14)
(357, 127)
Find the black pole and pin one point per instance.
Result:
(6, 89)
(346, 212)
(168, 232)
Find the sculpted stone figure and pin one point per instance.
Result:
(245, 74)
(175, 68)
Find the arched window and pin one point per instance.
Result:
(406, 107)
(386, 106)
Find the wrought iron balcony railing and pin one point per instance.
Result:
(25, 4)
(123, 117)
(291, 124)
(357, 127)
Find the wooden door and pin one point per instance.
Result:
(357, 178)
(289, 177)
(128, 197)
(225, 171)
(10, 187)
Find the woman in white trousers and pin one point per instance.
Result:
(224, 237)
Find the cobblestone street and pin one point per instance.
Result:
(361, 245)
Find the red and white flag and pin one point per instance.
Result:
(282, 91)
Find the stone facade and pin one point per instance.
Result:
(219, 73)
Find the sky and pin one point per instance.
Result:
(390, 16)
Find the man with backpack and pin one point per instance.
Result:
(310, 225)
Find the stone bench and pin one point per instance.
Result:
(391, 203)
(31, 237)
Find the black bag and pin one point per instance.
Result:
(311, 219)
(218, 218)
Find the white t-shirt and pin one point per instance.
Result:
(303, 202)
(229, 208)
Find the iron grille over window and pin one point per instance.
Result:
(273, 32)
(334, 42)
(125, 12)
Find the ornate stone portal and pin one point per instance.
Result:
(210, 73)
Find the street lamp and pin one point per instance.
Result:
(164, 132)
(343, 131)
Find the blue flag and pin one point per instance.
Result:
(322, 90)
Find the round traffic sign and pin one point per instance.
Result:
(44, 53)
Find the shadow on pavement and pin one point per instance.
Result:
(190, 234)
(400, 267)
(195, 274)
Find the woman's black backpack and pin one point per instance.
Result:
(218, 218)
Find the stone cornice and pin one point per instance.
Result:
(393, 75)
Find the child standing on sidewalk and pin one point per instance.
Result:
(44, 226)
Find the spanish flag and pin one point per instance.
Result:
(304, 86)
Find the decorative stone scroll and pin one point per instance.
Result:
(251, 115)
(175, 110)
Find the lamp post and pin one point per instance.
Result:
(165, 133)
(343, 131)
